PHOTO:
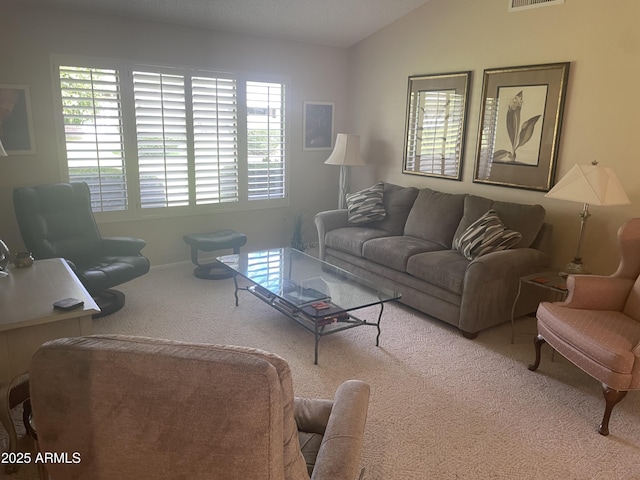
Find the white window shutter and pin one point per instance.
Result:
(215, 137)
(92, 117)
(161, 132)
(190, 145)
(265, 140)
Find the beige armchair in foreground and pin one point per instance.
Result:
(597, 327)
(139, 408)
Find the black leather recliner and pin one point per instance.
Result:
(56, 221)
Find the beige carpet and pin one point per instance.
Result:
(442, 406)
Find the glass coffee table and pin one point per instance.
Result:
(319, 296)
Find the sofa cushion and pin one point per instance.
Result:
(445, 269)
(366, 205)
(435, 216)
(526, 219)
(397, 203)
(485, 235)
(351, 239)
(393, 252)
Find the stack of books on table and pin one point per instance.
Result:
(302, 297)
(261, 291)
(560, 283)
(325, 313)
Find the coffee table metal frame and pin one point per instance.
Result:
(306, 316)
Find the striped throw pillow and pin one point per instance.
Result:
(485, 235)
(366, 205)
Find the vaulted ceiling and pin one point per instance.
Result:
(340, 23)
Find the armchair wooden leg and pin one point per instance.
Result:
(537, 343)
(611, 397)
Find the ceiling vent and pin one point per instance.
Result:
(518, 5)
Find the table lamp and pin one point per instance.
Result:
(346, 153)
(588, 184)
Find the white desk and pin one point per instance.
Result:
(28, 319)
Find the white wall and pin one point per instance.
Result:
(600, 38)
(28, 36)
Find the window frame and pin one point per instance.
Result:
(125, 69)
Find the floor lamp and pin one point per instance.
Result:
(346, 153)
(589, 185)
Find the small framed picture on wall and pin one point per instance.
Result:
(16, 126)
(318, 125)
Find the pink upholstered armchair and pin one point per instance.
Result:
(598, 326)
(139, 408)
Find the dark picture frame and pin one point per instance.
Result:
(520, 122)
(435, 126)
(16, 124)
(318, 126)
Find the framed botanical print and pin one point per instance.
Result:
(520, 122)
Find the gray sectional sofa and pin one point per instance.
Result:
(411, 250)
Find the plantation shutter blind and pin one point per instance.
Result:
(215, 136)
(265, 140)
(194, 140)
(161, 132)
(433, 139)
(92, 118)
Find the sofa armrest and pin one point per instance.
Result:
(121, 246)
(597, 292)
(327, 221)
(339, 454)
(491, 285)
(516, 262)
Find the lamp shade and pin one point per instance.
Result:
(590, 184)
(3, 153)
(346, 151)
